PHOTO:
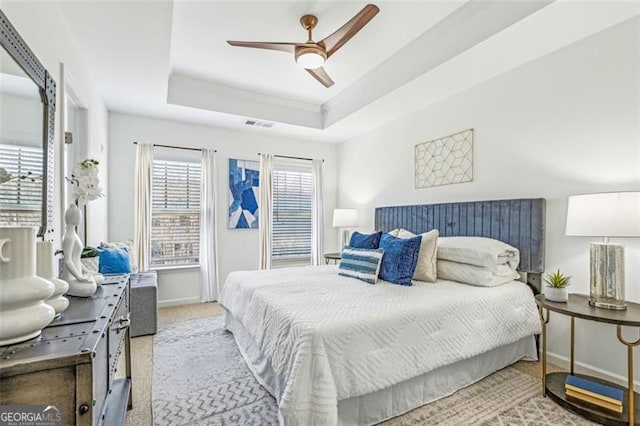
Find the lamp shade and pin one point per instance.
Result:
(343, 218)
(611, 214)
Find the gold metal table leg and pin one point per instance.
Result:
(573, 325)
(544, 322)
(630, 346)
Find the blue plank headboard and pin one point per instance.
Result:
(520, 223)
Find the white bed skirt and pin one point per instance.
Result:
(393, 401)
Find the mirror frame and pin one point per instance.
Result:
(16, 47)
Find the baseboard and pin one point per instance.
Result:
(563, 361)
(176, 302)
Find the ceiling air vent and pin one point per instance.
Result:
(257, 123)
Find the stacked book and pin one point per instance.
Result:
(594, 393)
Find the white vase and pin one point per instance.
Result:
(556, 294)
(23, 313)
(45, 267)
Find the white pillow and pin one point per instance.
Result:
(91, 264)
(394, 233)
(128, 244)
(426, 266)
(499, 257)
(471, 274)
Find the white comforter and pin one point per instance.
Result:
(329, 337)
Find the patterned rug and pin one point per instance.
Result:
(200, 378)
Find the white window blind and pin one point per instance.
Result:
(291, 238)
(20, 185)
(175, 213)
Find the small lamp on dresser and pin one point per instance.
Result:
(344, 218)
(612, 214)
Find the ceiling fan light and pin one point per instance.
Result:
(310, 58)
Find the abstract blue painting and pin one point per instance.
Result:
(244, 179)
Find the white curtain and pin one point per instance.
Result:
(265, 214)
(208, 229)
(317, 213)
(142, 204)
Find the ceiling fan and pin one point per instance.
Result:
(312, 55)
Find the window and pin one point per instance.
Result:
(20, 185)
(291, 240)
(175, 213)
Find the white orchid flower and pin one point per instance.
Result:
(86, 181)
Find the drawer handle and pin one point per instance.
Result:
(125, 321)
(83, 409)
(124, 324)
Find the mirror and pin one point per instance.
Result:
(21, 146)
(27, 111)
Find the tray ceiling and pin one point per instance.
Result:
(170, 59)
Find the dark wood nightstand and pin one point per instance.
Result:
(553, 383)
(331, 256)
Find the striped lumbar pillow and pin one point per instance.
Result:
(363, 264)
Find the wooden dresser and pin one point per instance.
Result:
(73, 363)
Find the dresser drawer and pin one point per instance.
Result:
(117, 332)
(72, 363)
(101, 382)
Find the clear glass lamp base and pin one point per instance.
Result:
(612, 304)
(607, 276)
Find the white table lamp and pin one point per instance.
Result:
(344, 218)
(612, 214)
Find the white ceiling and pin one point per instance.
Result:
(200, 30)
(170, 59)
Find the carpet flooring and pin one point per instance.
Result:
(142, 357)
(200, 378)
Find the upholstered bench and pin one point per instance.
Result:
(144, 303)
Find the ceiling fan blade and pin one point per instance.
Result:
(321, 75)
(283, 47)
(336, 40)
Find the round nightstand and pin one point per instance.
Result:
(331, 256)
(553, 384)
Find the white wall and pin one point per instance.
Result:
(20, 119)
(238, 249)
(565, 124)
(45, 30)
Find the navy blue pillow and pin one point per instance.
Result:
(114, 261)
(400, 258)
(365, 241)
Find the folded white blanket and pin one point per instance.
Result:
(501, 258)
(472, 274)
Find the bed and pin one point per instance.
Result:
(335, 350)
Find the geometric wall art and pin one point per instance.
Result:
(244, 179)
(444, 161)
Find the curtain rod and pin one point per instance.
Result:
(293, 158)
(176, 147)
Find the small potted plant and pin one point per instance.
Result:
(557, 284)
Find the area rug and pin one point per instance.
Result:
(200, 378)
